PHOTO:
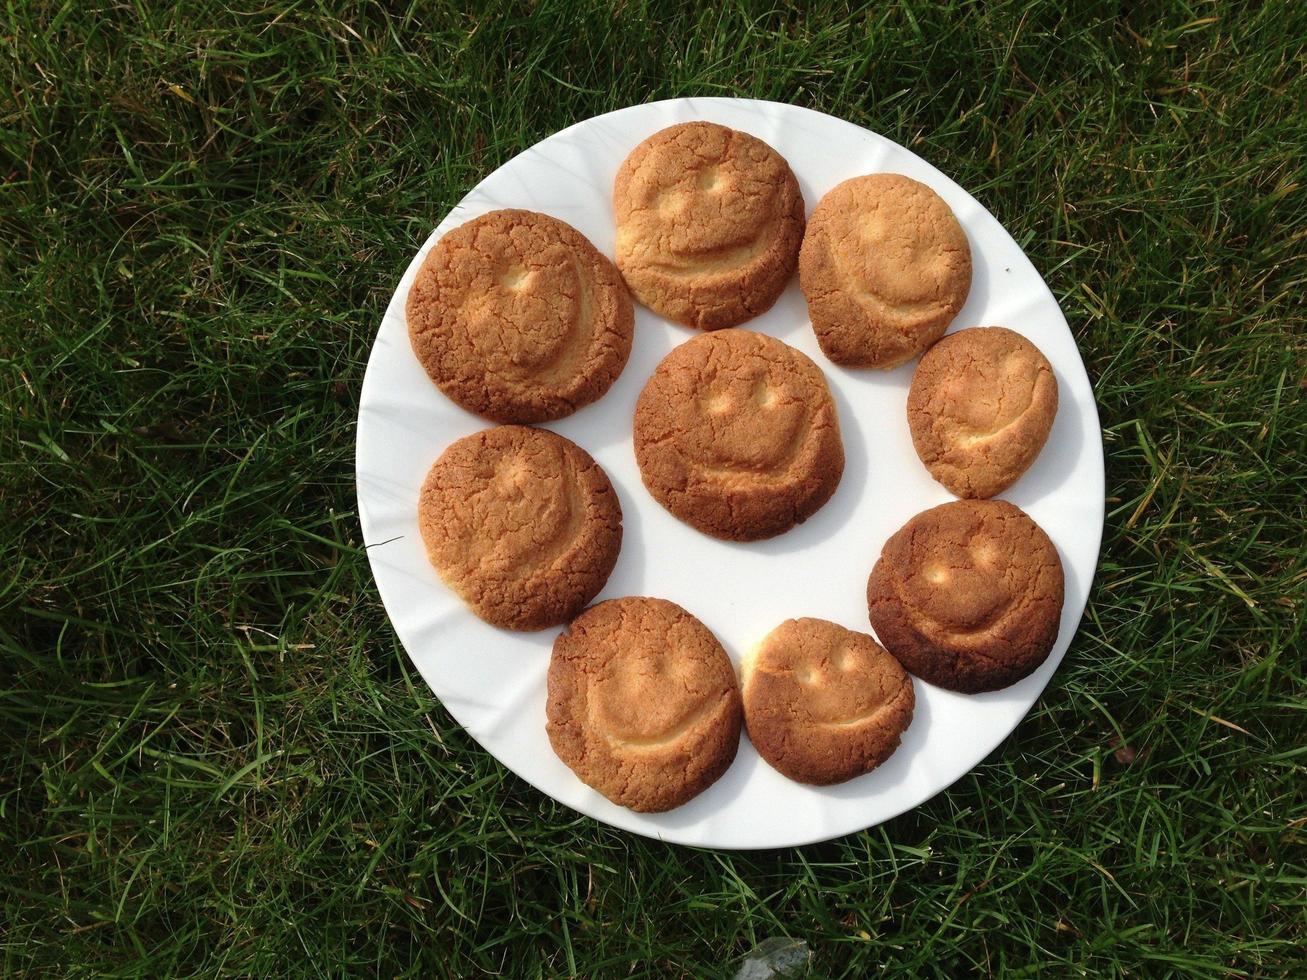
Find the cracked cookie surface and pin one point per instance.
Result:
(523, 524)
(968, 595)
(736, 434)
(980, 409)
(823, 704)
(518, 318)
(885, 267)
(709, 223)
(643, 703)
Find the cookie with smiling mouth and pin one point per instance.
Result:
(968, 595)
(709, 222)
(823, 704)
(518, 318)
(980, 409)
(885, 267)
(642, 703)
(521, 523)
(736, 434)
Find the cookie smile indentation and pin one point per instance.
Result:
(974, 436)
(670, 735)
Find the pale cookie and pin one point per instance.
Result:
(709, 222)
(980, 409)
(736, 434)
(522, 524)
(517, 317)
(968, 595)
(823, 704)
(643, 703)
(885, 267)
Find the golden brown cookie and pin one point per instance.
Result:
(981, 406)
(522, 524)
(968, 595)
(517, 317)
(643, 703)
(823, 704)
(736, 434)
(709, 222)
(885, 267)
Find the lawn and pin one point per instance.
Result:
(219, 759)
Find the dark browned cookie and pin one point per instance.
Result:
(980, 409)
(885, 267)
(736, 434)
(823, 704)
(709, 222)
(517, 317)
(522, 524)
(968, 595)
(643, 703)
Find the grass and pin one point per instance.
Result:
(218, 759)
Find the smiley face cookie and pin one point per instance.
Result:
(736, 434)
(968, 595)
(823, 704)
(885, 267)
(981, 406)
(643, 703)
(517, 317)
(522, 524)
(709, 222)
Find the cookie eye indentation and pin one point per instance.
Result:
(710, 180)
(717, 403)
(805, 675)
(874, 228)
(847, 661)
(935, 574)
(514, 278)
(671, 203)
(512, 474)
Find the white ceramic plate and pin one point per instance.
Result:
(493, 682)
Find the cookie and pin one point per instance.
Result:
(522, 524)
(823, 704)
(736, 434)
(709, 222)
(968, 595)
(980, 409)
(516, 317)
(643, 704)
(885, 268)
